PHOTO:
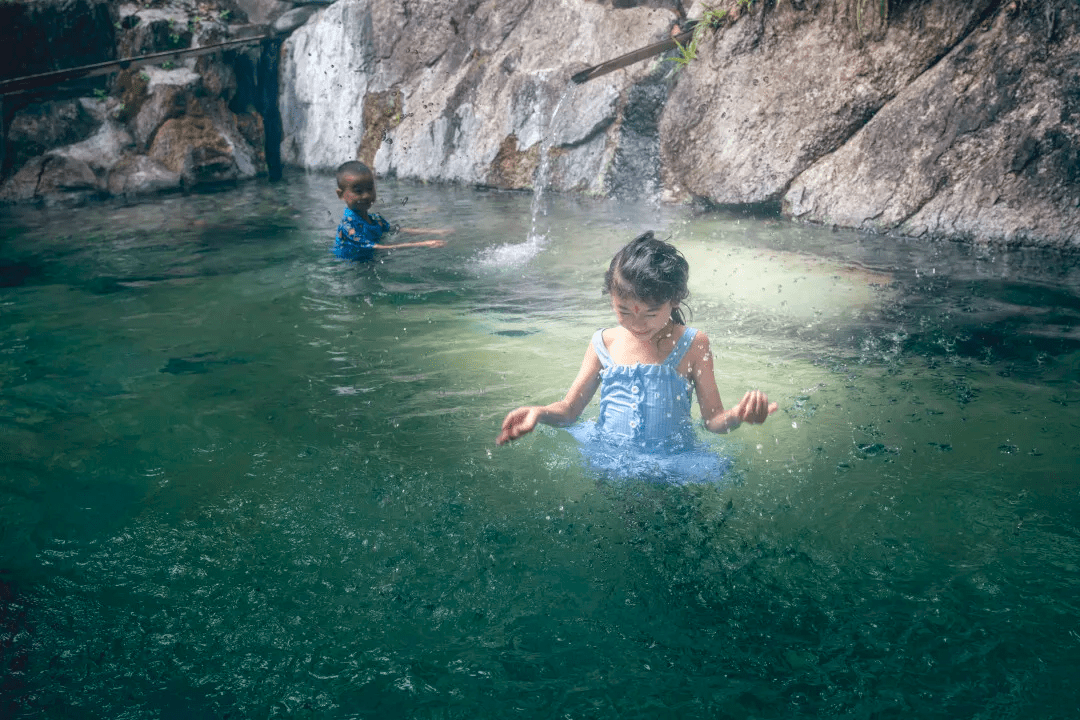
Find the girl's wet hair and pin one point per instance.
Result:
(652, 271)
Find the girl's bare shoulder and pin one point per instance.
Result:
(699, 348)
(611, 334)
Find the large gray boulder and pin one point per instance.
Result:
(958, 120)
(52, 178)
(778, 90)
(983, 146)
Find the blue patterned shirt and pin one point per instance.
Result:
(356, 239)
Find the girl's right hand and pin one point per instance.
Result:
(521, 421)
(754, 408)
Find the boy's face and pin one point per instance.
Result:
(358, 192)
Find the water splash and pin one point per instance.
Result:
(514, 254)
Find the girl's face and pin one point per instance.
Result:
(639, 317)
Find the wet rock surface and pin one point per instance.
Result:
(146, 129)
(917, 117)
(478, 83)
(943, 120)
(782, 87)
(985, 145)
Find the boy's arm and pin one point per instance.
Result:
(561, 413)
(421, 243)
(411, 231)
(753, 408)
(425, 231)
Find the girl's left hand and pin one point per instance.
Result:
(754, 408)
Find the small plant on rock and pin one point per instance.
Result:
(711, 19)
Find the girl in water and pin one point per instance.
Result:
(647, 369)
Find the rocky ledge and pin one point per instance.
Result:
(147, 128)
(918, 117)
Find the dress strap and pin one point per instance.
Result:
(601, 349)
(681, 347)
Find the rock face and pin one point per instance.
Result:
(157, 128)
(37, 128)
(952, 120)
(984, 145)
(782, 90)
(921, 117)
(54, 34)
(465, 91)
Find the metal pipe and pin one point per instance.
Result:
(32, 82)
(632, 57)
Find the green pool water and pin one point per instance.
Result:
(243, 479)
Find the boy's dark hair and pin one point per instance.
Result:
(352, 168)
(650, 270)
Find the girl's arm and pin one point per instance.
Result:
(523, 420)
(753, 408)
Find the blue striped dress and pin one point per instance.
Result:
(644, 428)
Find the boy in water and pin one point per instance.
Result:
(359, 233)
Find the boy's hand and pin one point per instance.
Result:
(754, 408)
(431, 243)
(517, 423)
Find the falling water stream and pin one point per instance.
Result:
(243, 478)
(517, 252)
